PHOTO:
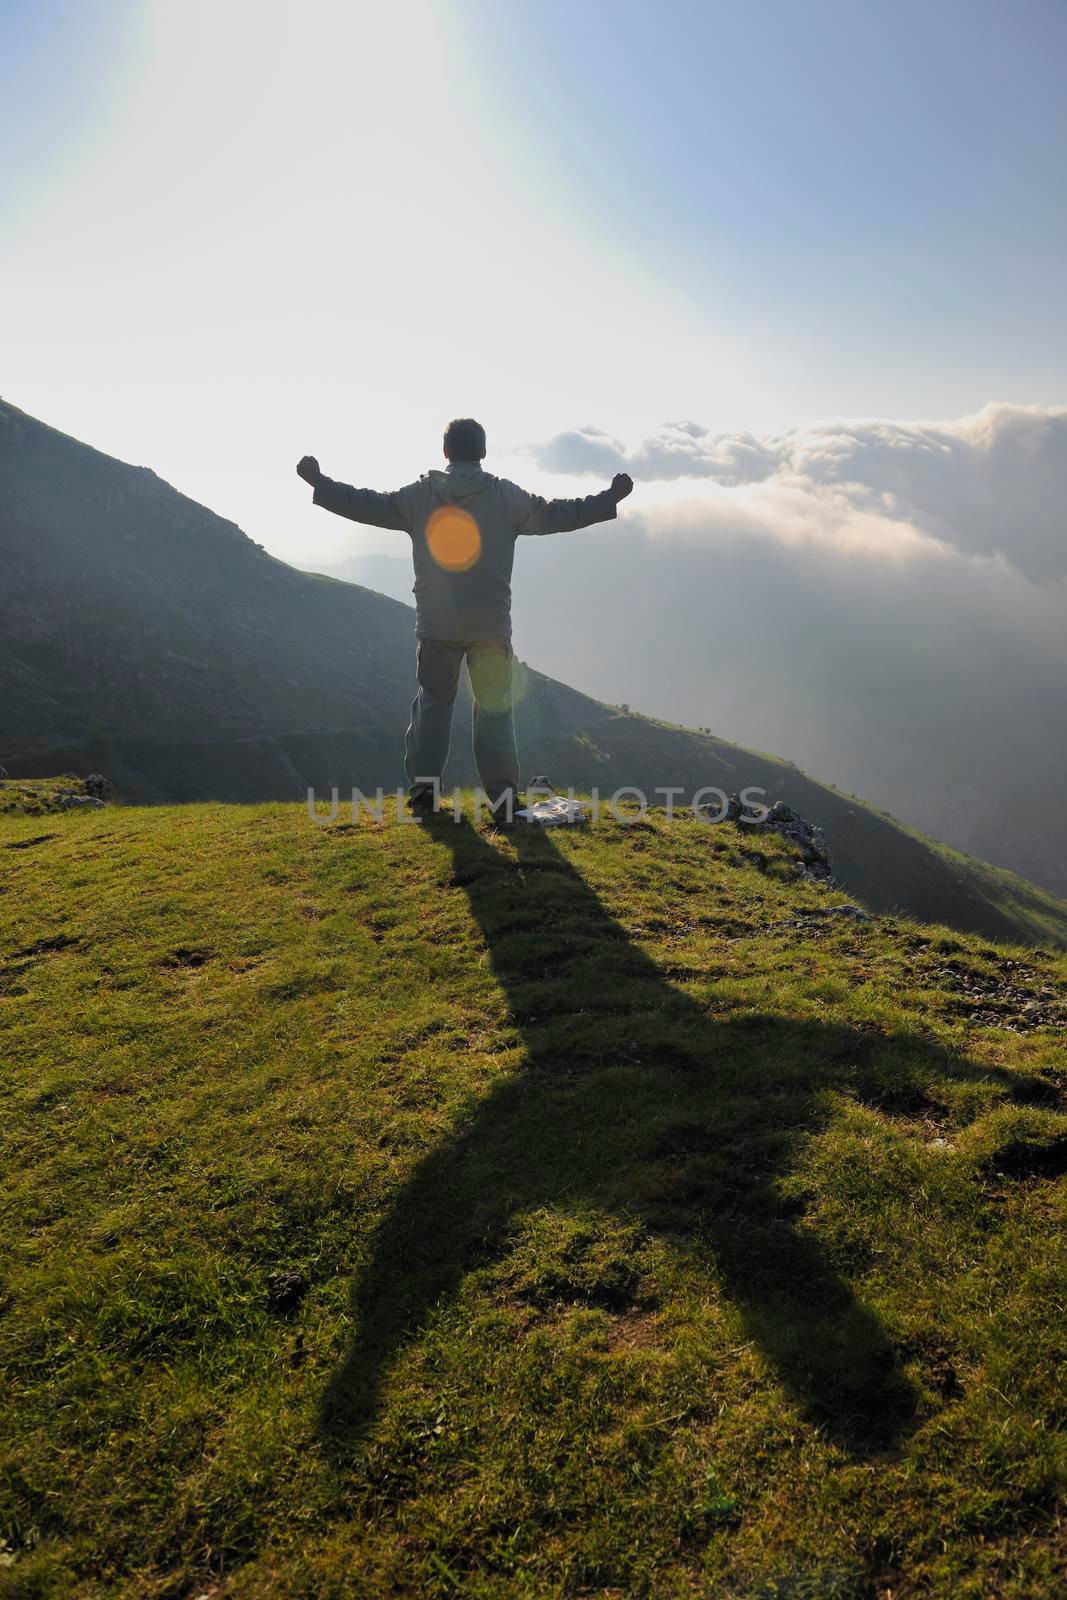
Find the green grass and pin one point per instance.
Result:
(426, 1211)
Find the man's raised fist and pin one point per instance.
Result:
(621, 485)
(308, 469)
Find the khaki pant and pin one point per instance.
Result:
(437, 669)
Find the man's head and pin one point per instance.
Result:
(464, 440)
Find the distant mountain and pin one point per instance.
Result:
(384, 574)
(148, 638)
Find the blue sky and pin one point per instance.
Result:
(235, 232)
(888, 173)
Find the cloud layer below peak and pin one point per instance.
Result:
(994, 483)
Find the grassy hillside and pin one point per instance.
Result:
(426, 1211)
(144, 637)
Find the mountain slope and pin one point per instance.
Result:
(415, 1211)
(143, 636)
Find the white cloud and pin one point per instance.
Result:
(994, 483)
(884, 602)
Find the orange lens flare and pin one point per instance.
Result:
(453, 539)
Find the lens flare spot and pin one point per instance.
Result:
(453, 539)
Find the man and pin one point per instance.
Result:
(463, 524)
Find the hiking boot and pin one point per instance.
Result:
(499, 813)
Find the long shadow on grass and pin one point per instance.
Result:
(633, 1099)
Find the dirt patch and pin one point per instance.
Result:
(47, 947)
(634, 1330)
(186, 957)
(1025, 1158)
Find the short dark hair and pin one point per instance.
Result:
(464, 440)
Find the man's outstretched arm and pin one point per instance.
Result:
(359, 505)
(536, 515)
